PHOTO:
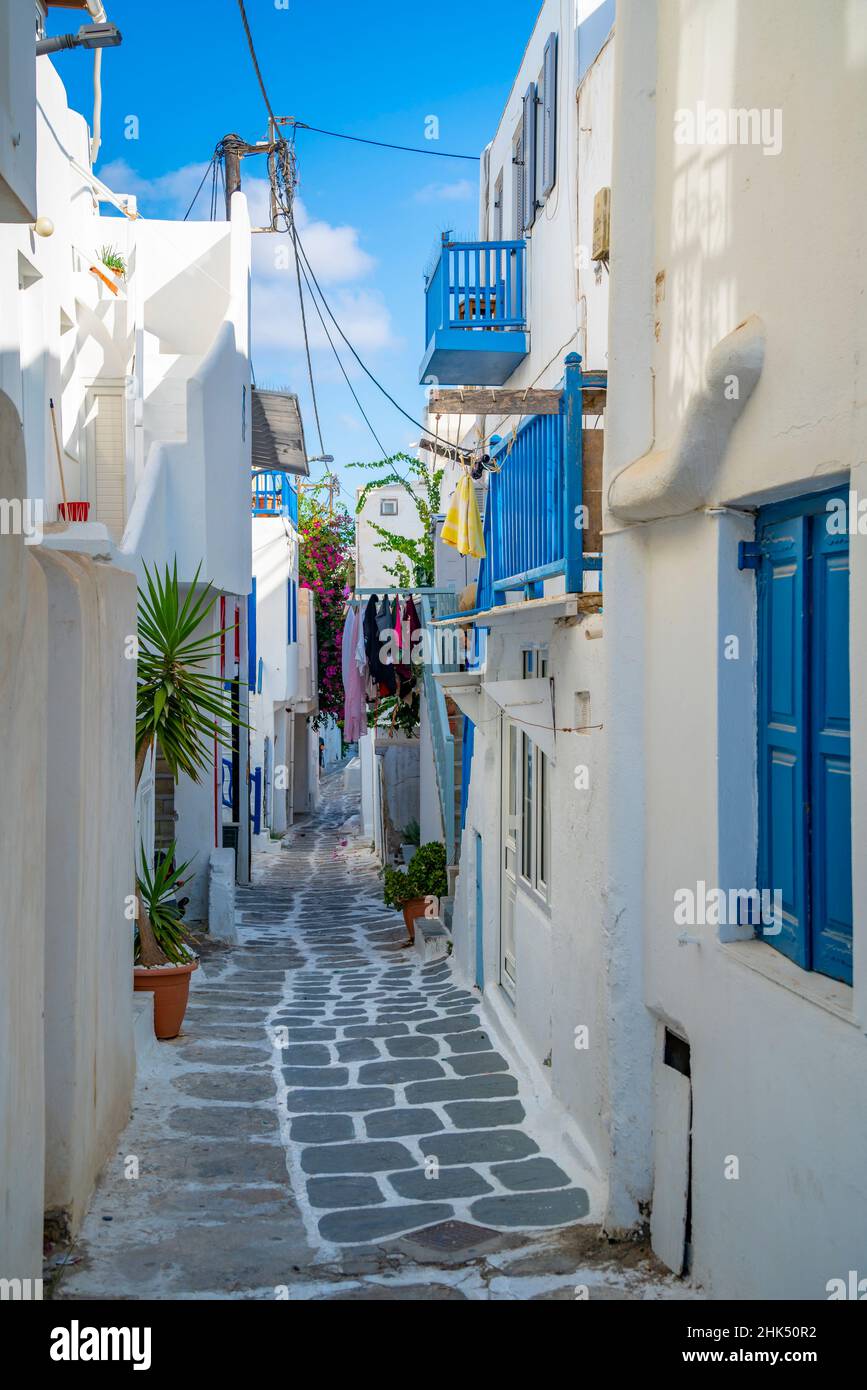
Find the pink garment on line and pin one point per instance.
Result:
(354, 709)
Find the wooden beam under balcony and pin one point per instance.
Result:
(510, 400)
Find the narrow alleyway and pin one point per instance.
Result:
(336, 1121)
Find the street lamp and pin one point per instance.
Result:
(88, 36)
(321, 458)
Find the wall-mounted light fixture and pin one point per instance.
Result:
(88, 36)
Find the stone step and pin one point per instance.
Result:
(431, 939)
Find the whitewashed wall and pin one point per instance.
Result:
(561, 947)
(370, 563)
(66, 863)
(704, 239)
(275, 560)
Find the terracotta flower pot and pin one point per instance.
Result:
(412, 908)
(170, 985)
(74, 511)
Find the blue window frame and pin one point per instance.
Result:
(292, 605)
(805, 838)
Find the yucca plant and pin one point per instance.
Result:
(157, 890)
(178, 702)
(111, 257)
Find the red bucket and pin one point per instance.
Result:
(74, 511)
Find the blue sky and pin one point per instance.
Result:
(370, 219)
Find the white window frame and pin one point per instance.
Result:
(391, 503)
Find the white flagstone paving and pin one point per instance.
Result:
(336, 1120)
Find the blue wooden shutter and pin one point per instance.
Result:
(528, 143)
(256, 799)
(831, 840)
(782, 714)
(549, 139)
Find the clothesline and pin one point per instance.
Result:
(372, 666)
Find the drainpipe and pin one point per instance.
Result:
(96, 10)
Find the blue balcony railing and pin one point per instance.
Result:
(475, 320)
(536, 514)
(275, 494)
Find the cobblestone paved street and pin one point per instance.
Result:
(336, 1120)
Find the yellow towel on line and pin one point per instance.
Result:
(463, 525)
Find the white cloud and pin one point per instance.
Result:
(167, 195)
(461, 191)
(335, 254)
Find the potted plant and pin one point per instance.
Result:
(411, 841)
(169, 983)
(411, 889)
(113, 260)
(180, 704)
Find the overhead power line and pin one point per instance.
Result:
(381, 144)
(378, 384)
(306, 339)
(258, 70)
(327, 333)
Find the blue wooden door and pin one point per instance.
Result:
(782, 728)
(831, 817)
(256, 799)
(805, 837)
(480, 915)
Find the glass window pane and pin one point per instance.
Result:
(544, 820)
(528, 808)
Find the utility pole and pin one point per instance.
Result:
(331, 484)
(232, 147)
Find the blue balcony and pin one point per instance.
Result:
(543, 512)
(475, 323)
(275, 494)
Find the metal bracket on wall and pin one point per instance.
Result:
(749, 554)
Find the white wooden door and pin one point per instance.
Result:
(509, 815)
(106, 457)
(671, 1146)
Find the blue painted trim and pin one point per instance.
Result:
(256, 794)
(805, 831)
(467, 744)
(226, 783)
(275, 493)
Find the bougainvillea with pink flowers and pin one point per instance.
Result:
(326, 567)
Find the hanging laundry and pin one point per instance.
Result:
(354, 712)
(360, 649)
(410, 625)
(462, 528)
(371, 647)
(385, 630)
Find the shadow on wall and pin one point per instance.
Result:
(67, 720)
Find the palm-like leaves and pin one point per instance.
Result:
(178, 702)
(157, 889)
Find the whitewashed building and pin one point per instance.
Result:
(125, 425)
(505, 313)
(284, 749)
(734, 634)
(666, 748)
(149, 377)
(392, 508)
(67, 700)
